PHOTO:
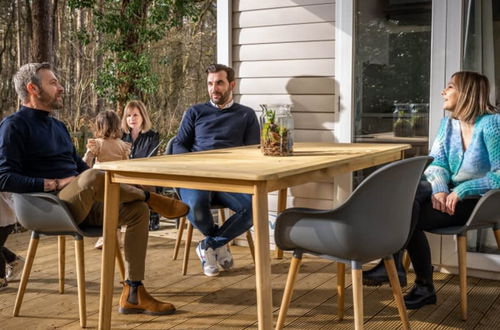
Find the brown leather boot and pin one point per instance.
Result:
(139, 301)
(166, 206)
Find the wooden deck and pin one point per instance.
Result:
(228, 301)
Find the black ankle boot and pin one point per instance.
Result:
(378, 275)
(422, 293)
(154, 221)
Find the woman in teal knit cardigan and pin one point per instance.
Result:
(466, 164)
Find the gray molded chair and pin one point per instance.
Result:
(45, 214)
(373, 223)
(182, 224)
(486, 214)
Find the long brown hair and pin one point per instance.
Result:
(107, 125)
(473, 98)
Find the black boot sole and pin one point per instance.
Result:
(430, 300)
(378, 281)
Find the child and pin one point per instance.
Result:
(10, 264)
(106, 146)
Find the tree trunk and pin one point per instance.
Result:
(42, 31)
(28, 33)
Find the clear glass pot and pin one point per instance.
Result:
(276, 130)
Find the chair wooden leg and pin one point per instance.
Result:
(80, 276)
(287, 294)
(61, 240)
(119, 260)
(281, 207)
(462, 272)
(340, 290)
(357, 295)
(406, 261)
(30, 257)
(396, 291)
(189, 237)
(497, 236)
(251, 245)
(178, 240)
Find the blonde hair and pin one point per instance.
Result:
(136, 104)
(473, 96)
(107, 125)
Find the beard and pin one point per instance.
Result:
(222, 99)
(51, 102)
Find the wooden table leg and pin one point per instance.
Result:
(262, 257)
(111, 203)
(281, 207)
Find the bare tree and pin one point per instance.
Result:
(42, 31)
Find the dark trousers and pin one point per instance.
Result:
(6, 255)
(424, 217)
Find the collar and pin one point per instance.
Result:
(34, 112)
(228, 105)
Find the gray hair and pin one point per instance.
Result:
(28, 73)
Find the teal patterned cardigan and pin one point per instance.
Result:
(470, 172)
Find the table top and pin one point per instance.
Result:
(248, 163)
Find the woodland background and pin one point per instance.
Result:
(107, 52)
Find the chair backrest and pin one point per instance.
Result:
(170, 147)
(372, 223)
(486, 212)
(46, 214)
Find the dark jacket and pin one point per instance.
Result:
(146, 144)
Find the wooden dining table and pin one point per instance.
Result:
(239, 170)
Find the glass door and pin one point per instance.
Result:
(482, 54)
(392, 64)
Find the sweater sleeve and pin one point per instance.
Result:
(491, 138)
(12, 149)
(438, 173)
(184, 140)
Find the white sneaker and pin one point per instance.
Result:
(208, 261)
(14, 269)
(224, 257)
(99, 243)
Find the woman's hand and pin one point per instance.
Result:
(451, 203)
(439, 201)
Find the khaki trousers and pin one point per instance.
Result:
(84, 197)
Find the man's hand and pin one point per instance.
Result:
(56, 184)
(451, 203)
(64, 182)
(439, 201)
(49, 184)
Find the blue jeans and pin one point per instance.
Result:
(199, 202)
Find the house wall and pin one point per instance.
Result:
(283, 52)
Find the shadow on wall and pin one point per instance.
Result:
(315, 107)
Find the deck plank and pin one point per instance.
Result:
(228, 301)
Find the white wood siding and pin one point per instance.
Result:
(283, 51)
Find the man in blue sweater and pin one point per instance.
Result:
(36, 154)
(219, 123)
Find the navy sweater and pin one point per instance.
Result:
(206, 127)
(35, 146)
